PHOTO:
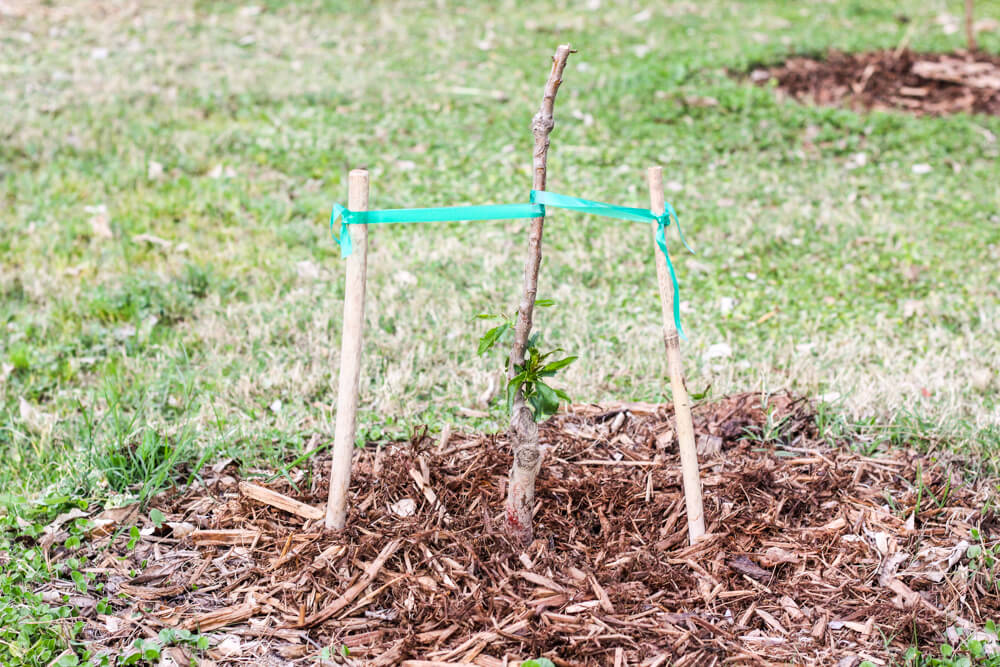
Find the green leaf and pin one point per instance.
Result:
(133, 537)
(697, 396)
(68, 660)
(548, 401)
(946, 650)
(79, 580)
(491, 337)
(156, 516)
(554, 366)
(544, 303)
(549, 354)
(150, 651)
(512, 388)
(535, 401)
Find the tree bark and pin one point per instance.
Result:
(970, 27)
(523, 430)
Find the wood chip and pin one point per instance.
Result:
(225, 537)
(602, 596)
(222, 617)
(542, 581)
(282, 502)
(744, 565)
(348, 596)
(771, 621)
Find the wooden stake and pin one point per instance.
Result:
(350, 356)
(682, 404)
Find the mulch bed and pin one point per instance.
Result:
(815, 555)
(923, 83)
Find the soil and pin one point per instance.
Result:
(815, 554)
(923, 83)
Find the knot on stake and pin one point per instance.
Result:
(344, 238)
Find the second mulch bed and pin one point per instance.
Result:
(815, 555)
(923, 83)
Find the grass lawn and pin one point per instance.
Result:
(170, 293)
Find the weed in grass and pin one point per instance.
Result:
(983, 558)
(970, 651)
(772, 431)
(149, 651)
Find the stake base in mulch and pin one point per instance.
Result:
(922, 83)
(813, 554)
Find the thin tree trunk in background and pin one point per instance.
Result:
(523, 430)
(970, 28)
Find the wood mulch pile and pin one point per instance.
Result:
(924, 83)
(815, 555)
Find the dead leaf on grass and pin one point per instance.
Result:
(100, 221)
(36, 421)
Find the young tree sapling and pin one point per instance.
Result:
(523, 428)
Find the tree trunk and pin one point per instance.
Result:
(523, 430)
(970, 28)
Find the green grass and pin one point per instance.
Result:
(125, 362)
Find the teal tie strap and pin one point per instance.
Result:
(344, 240)
(536, 209)
(443, 214)
(626, 213)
